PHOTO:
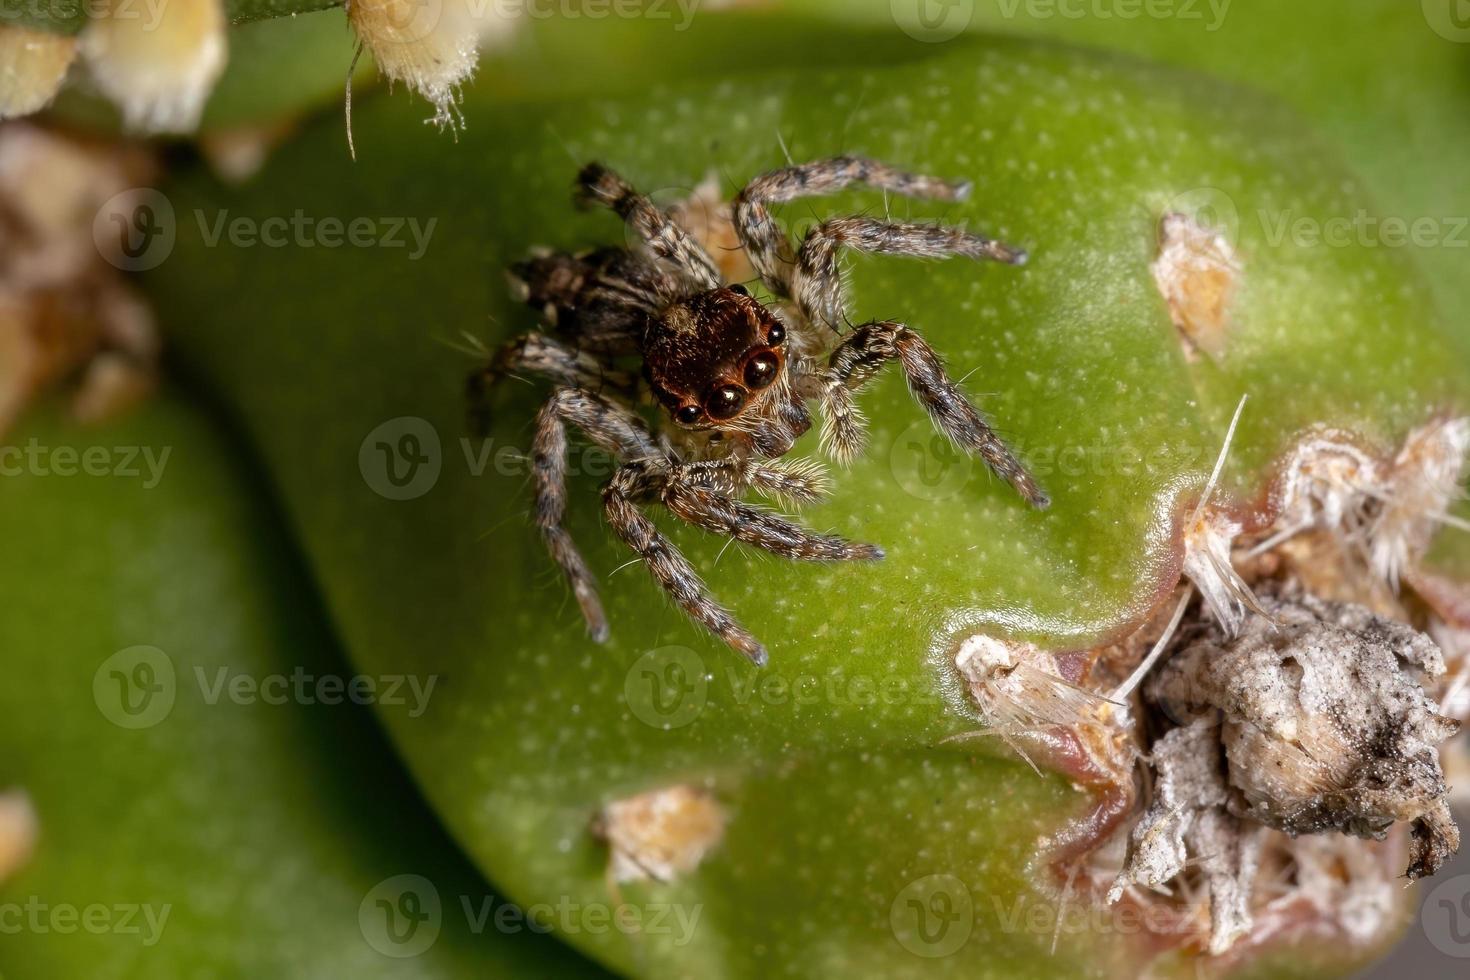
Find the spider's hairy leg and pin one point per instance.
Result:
(817, 283)
(597, 185)
(613, 428)
(866, 351)
(672, 571)
(536, 353)
(765, 242)
(794, 482)
(719, 514)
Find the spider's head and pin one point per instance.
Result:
(718, 361)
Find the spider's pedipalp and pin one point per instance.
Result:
(598, 185)
(669, 568)
(817, 284)
(764, 241)
(873, 345)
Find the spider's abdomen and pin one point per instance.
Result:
(603, 291)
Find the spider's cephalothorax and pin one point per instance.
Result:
(733, 376)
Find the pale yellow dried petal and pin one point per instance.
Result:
(157, 61)
(33, 65)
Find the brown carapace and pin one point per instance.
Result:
(732, 375)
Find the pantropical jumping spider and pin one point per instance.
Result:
(732, 374)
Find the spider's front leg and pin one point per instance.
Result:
(817, 283)
(639, 481)
(866, 351)
(612, 427)
(597, 184)
(764, 241)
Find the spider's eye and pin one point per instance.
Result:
(688, 414)
(737, 288)
(761, 370)
(776, 334)
(725, 402)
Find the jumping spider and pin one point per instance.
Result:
(732, 374)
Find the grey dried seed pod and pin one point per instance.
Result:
(1323, 720)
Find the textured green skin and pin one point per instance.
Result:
(1374, 75)
(263, 827)
(838, 804)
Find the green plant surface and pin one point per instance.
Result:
(190, 832)
(833, 762)
(1387, 80)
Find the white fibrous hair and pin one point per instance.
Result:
(432, 46)
(1422, 482)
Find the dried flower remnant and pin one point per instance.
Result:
(1324, 723)
(236, 155)
(19, 828)
(66, 315)
(33, 65)
(158, 68)
(1420, 485)
(1018, 687)
(432, 47)
(1196, 271)
(1188, 819)
(661, 834)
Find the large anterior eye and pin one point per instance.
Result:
(761, 370)
(725, 402)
